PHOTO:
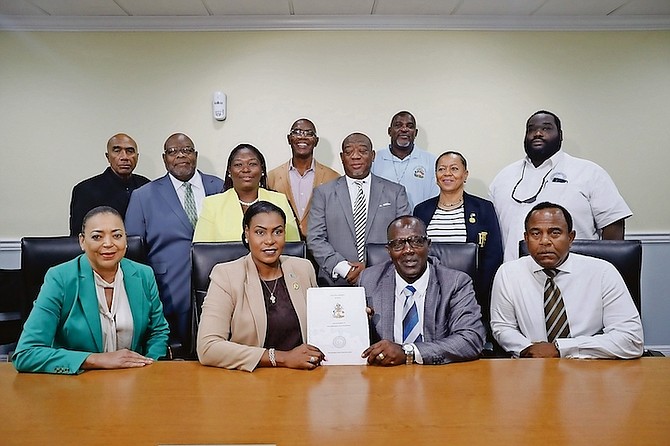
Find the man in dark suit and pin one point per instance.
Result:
(158, 213)
(112, 187)
(337, 232)
(420, 311)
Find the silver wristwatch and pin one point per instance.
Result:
(409, 353)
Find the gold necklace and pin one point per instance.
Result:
(450, 205)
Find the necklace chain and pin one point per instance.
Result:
(450, 205)
(399, 178)
(273, 298)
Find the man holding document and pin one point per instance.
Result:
(422, 312)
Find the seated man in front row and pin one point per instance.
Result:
(421, 311)
(554, 303)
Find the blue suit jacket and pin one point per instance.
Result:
(331, 236)
(64, 328)
(452, 324)
(155, 214)
(480, 218)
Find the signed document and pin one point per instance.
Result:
(338, 324)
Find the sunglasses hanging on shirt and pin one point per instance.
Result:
(534, 197)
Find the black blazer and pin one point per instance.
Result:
(480, 218)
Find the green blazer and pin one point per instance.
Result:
(63, 328)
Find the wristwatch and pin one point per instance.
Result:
(409, 353)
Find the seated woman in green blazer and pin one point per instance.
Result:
(97, 311)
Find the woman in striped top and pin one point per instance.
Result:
(456, 216)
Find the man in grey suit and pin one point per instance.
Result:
(157, 213)
(421, 312)
(351, 211)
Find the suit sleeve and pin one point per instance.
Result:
(35, 351)
(214, 346)
(464, 330)
(135, 220)
(317, 235)
(157, 328)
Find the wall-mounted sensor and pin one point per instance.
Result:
(219, 106)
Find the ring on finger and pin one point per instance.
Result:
(312, 359)
(381, 356)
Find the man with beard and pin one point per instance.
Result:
(164, 213)
(549, 174)
(112, 187)
(404, 163)
(421, 312)
(297, 177)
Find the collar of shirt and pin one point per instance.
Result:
(196, 181)
(548, 164)
(538, 270)
(389, 156)
(353, 188)
(196, 186)
(421, 284)
(311, 168)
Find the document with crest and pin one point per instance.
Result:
(338, 324)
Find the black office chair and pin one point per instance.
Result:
(460, 256)
(38, 254)
(204, 256)
(625, 255)
(11, 297)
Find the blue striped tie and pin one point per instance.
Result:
(411, 331)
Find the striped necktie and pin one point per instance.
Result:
(360, 215)
(411, 330)
(189, 204)
(554, 310)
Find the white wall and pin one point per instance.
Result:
(63, 94)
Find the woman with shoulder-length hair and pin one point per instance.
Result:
(255, 310)
(97, 311)
(456, 216)
(245, 184)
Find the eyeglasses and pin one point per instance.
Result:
(172, 151)
(301, 132)
(416, 242)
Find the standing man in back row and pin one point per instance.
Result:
(404, 163)
(547, 173)
(164, 213)
(112, 187)
(297, 177)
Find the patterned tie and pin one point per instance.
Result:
(360, 215)
(411, 331)
(189, 204)
(554, 311)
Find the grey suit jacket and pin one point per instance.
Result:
(331, 237)
(452, 323)
(155, 213)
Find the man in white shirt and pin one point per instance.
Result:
(404, 163)
(549, 174)
(554, 303)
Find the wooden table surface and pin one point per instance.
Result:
(501, 401)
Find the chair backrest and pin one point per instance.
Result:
(11, 298)
(205, 255)
(625, 255)
(459, 256)
(38, 254)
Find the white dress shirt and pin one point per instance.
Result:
(604, 322)
(196, 186)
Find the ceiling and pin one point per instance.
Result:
(332, 14)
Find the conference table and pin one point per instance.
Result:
(489, 401)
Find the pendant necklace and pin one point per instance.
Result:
(273, 299)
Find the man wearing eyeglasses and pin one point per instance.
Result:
(549, 174)
(300, 175)
(164, 213)
(422, 312)
(112, 187)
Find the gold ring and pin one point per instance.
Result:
(312, 359)
(381, 356)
